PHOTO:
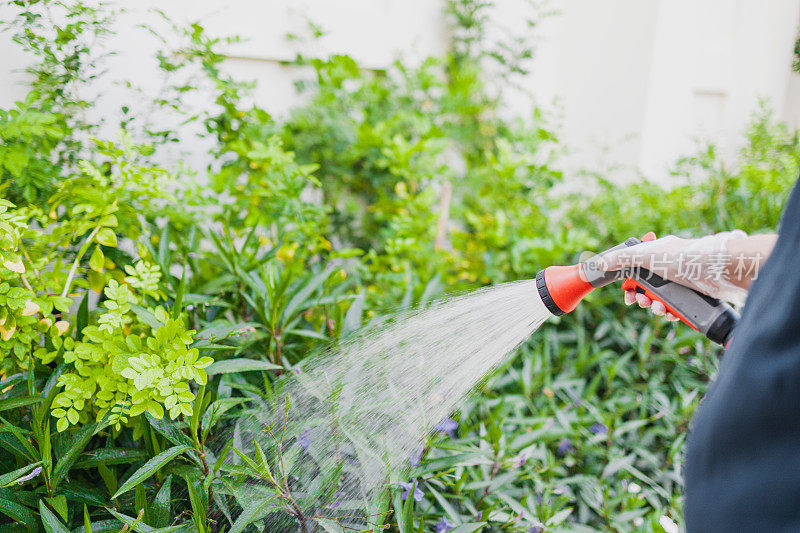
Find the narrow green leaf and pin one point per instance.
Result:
(137, 525)
(50, 521)
(79, 441)
(109, 456)
(198, 508)
(168, 429)
(177, 306)
(163, 247)
(140, 500)
(150, 468)
(160, 510)
(18, 513)
(352, 319)
(31, 376)
(50, 390)
(223, 454)
(11, 478)
(59, 503)
(87, 520)
(399, 511)
(108, 477)
(250, 514)
(304, 293)
(18, 401)
(82, 319)
(408, 511)
(239, 365)
(194, 422)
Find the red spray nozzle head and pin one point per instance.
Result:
(562, 287)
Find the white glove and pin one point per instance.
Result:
(704, 264)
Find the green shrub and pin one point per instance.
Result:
(142, 311)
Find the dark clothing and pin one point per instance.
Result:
(742, 464)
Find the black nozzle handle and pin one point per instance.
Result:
(712, 317)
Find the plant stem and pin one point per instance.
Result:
(77, 261)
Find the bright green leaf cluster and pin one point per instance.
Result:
(136, 360)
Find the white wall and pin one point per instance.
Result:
(632, 83)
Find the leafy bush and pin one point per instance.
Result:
(142, 311)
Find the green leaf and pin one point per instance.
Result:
(177, 306)
(107, 237)
(304, 293)
(97, 260)
(108, 477)
(400, 511)
(137, 525)
(18, 513)
(50, 390)
(160, 508)
(87, 520)
(150, 468)
(59, 503)
(198, 508)
(50, 521)
(11, 478)
(18, 401)
(79, 441)
(352, 319)
(222, 331)
(146, 316)
(95, 496)
(238, 365)
(169, 430)
(13, 444)
(82, 319)
(197, 409)
(110, 456)
(250, 514)
(140, 500)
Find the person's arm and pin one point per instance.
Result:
(752, 251)
(722, 265)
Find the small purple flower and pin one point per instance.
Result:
(416, 457)
(304, 439)
(337, 501)
(444, 526)
(520, 459)
(536, 528)
(447, 426)
(538, 499)
(35, 472)
(564, 447)
(407, 486)
(598, 427)
(479, 516)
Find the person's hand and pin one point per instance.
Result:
(704, 264)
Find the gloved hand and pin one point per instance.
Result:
(704, 264)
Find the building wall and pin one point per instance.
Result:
(631, 84)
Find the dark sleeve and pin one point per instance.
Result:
(742, 467)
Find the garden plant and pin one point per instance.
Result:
(145, 306)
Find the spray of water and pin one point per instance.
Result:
(350, 422)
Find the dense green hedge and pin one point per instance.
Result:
(142, 308)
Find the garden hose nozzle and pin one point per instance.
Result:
(563, 287)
